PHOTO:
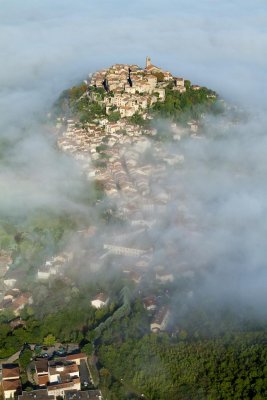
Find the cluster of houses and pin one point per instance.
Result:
(60, 377)
(125, 177)
(160, 314)
(12, 299)
(7, 279)
(139, 186)
(5, 262)
(15, 300)
(134, 89)
(42, 394)
(54, 266)
(93, 141)
(129, 88)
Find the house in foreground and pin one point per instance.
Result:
(43, 394)
(59, 375)
(10, 380)
(40, 394)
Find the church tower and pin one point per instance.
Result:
(148, 61)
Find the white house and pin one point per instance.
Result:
(59, 389)
(164, 277)
(10, 283)
(101, 300)
(10, 380)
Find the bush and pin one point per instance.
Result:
(114, 116)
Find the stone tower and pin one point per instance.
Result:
(148, 61)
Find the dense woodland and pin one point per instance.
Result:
(232, 367)
(181, 107)
(225, 364)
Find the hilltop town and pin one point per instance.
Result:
(123, 94)
(134, 89)
(106, 125)
(115, 107)
(93, 297)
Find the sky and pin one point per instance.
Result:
(47, 46)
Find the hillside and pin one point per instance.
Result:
(124, 274)
(128, 93)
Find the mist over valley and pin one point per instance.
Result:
(133, 199)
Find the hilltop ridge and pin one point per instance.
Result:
(116, 106)
(127, 92)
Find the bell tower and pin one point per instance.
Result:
(148, 61)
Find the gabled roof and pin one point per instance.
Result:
(152, 67)
(11, 384)
(67, 369)
(41, 365)
(10, 371)
(43, 380)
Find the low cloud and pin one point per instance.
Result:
(50, 46)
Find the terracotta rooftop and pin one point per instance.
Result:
(68, 369)
(43, 380)
(11, 385)
(77, 356)
(41, 365)
(10, 371)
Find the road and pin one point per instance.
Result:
(12, 358)
(84, 373)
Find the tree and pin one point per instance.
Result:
(187, 84)
(88, 348)
(105, 377)
(49, 340)
(25, 358)
(114, 116)
(137, 119)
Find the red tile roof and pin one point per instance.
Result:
(11, 385)
(10, 371)
(77, 356)
(43, 380)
